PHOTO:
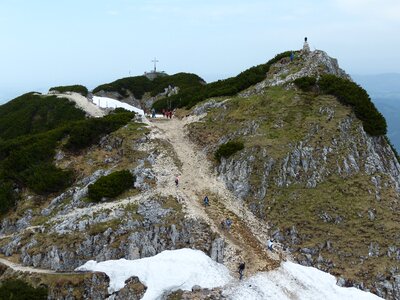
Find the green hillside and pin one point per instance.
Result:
(139, 85)
(32, 128)
(227, 87)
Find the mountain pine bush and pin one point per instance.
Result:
(111, 186)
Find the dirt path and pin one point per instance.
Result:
(246, 240)
(21, 268)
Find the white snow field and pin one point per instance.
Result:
(294, 281)
(182, 269)
(105, 102)
(169, 270)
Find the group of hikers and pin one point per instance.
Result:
(167, 113)
(226, 225)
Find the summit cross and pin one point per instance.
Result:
(155, 61)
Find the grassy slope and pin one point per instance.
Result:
(285, 118)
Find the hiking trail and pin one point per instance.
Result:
(244, 242)
(247, 238)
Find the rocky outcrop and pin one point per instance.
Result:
(132, 240)
(308, 165)
(305, 64)
(133, 290)
(197, 293)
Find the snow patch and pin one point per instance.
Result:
(182, 269)
(168, 271)
(293, 281)
(105, 102)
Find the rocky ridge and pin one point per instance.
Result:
(306, 158)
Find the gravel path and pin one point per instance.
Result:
(246, 241)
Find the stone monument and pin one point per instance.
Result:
(306, 47)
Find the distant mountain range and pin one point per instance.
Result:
(384, 90)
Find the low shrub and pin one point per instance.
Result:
(47, 178)
(111, 186)
(228, 149)
(88, 132)
(192, 95)
(71, 88)
(17, 289)
(7, 197)
(306, 84)
(349, 93)
(32, 113)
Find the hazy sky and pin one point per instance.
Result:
(47, 42)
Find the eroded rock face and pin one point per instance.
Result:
(311, 64)
(133, 290)
(308, 165)
(133, 240)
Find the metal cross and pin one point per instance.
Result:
(155, 61)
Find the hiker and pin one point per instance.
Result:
(153, 113)
(223, 224)
(270, 244)
(163, 112)
(291, 56)
(206, 201)
(241, 270)
(177, 181)
(228, 224)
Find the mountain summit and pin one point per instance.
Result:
(290, 151)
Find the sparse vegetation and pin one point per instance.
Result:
(111, 186)
(71, 88)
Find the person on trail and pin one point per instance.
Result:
(177, 180)
(291, 56)
(153, 113)
(163, 112)
(223, 224)
(270, 244)
(206, 201)
(241, 270)
(228, 224)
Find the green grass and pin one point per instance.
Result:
(301, 207)
(284, 118)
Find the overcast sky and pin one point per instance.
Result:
(46, 42)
